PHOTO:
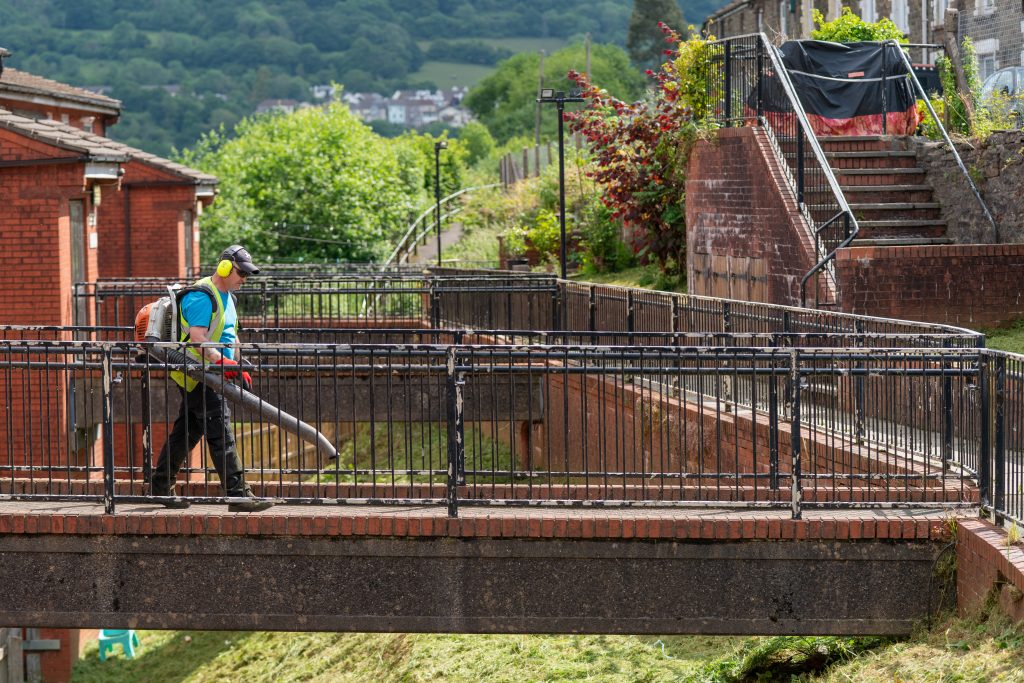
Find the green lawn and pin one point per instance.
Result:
(1008, 338)
(549, 45)
(447, 74)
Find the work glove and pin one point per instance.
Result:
(233, 374)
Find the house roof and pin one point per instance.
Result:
(20, 82)
(727, 9)
(96, 147)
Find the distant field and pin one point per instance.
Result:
(447, 74)
(528, 44)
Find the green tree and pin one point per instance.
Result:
(505, 101)
(477, 140)
(644, 40)
(315, 184)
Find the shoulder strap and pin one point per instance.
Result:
(197, 287)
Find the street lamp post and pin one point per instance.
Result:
(560, 98)
(438, 146)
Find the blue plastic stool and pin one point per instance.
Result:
(127, 639)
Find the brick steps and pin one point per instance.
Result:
(910, 229)
(901, 211)
(886, 191)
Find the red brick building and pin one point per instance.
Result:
(77, 206)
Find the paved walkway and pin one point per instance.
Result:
(23, 517)
(427, 252)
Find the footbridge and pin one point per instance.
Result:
(515, 453)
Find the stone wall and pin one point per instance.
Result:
(997, 168)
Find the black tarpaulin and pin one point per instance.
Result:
(848, 88)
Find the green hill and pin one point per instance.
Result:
(223, 57)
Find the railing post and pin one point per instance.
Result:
(795, 439)
(999, 493)
(760, 74)
(630, 319)
(263, 302)
(859, 388)
(947, 414)
(147, 424)
(799, 163)
(675, 315)
(456, 442)
(557, 307)
(435, 307)
(885, 83)
(108, 432)
(728, 82)
(985, 457)
(726, 317)
(591, 309)
(773, 427)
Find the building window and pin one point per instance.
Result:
(867, 10)
(783, 15)
(901, 15)
(986, 65)
(940, 10)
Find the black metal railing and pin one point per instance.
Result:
(525, 424)
(747, 84)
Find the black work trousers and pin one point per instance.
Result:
(203, 413)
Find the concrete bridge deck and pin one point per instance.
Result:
(68, 564)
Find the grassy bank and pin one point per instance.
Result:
(987, 648)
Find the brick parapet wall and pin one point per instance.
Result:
(987, 567)
(745, 237)
(606, 524)
(970, 285)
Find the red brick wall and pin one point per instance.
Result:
(156, 240)
(35, 289)
(987, 566)
(743, 240)
(972, 285)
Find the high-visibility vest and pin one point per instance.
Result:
(216, 328)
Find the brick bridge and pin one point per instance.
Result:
(654, 463)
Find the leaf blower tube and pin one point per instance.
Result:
(166, 353)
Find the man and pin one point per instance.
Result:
(207, 314)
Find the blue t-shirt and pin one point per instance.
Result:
(198, 310)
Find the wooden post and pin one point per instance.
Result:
(11, 660)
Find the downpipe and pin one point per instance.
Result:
(176, 360)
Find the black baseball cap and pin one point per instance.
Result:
(239, 256)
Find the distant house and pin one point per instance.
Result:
(368, 106)
(783, 20)
(324, 92)
(280, 106)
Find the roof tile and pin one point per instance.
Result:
(20, 81)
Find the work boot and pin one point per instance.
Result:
(174, 503)
(251, 504)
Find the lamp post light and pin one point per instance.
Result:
(438, 146)
(560, 98)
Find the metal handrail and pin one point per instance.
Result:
(804, 128)
(945, 136)
(404, 241)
